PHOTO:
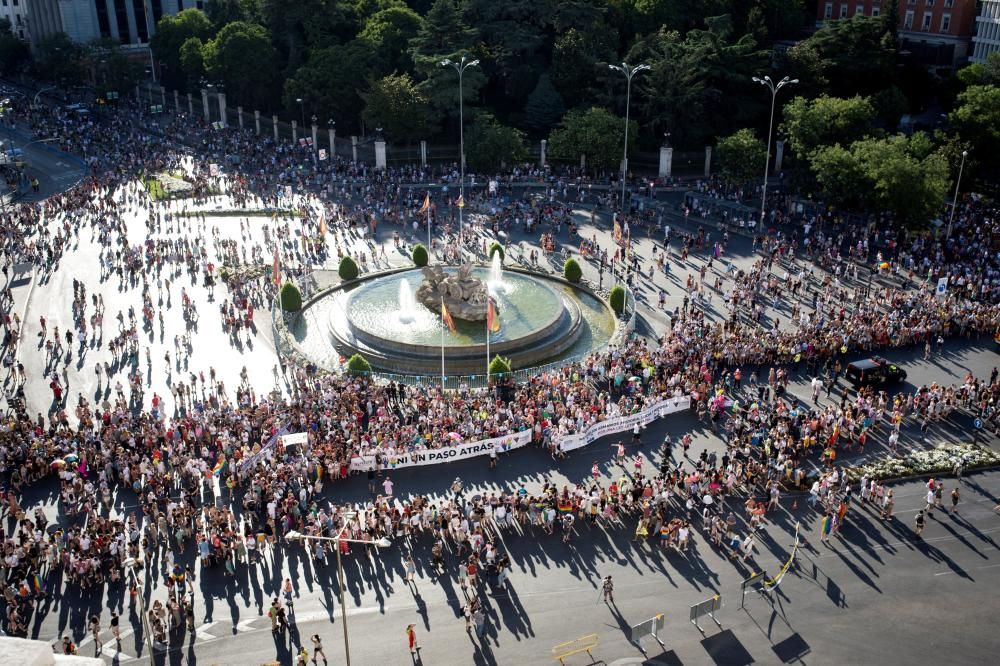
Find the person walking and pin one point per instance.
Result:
(411, 639)
(609, 590)
(95, 630)
(919, 522)
(954, 500)
(411, 569)
(479, 617)
(318, 649)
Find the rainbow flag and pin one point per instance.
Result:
(219, 466)
(565, 507)
(39, 584)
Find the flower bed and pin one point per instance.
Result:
(941, 459)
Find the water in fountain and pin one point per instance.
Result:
(495, 280)
(406, 304)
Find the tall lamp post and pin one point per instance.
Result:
(629, 72)
(774, 88)
(954, 201)
(460, 67)
(294, 535)
(130, 565)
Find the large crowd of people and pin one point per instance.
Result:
(808, 266)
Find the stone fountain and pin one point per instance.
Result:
(463, 294)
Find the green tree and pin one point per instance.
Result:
(545, 106)
(826, 120)
(846, 57)
(14, 53)
(396, 105)
(348, 269)
(572, 271)
(358, 365)
(981, 73)
(389, 32)
(616, 299)
(242, 57)
(976, 118)
(595, 133)
(299, 26)
(576, 58)
(741, 157)
(291, 297)
(171, 33)
(331, 82)
(496, 247)
(221, 12)
(838, 172)
(488, 144)
(114, 70)
(905, 177)
(420, 255)
(193, 60)
(59, 59)
(499, 366)
(445, 35)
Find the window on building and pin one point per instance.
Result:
(103, 23)
(5, 3)
(124, 35)
(929, 3)
(926, 25)
(949, 4)
(843, 11)
(141, 27)
(945, 22)
(15, 3)
(876, 11)
(827, 12)
(908, 21)
(859, 10)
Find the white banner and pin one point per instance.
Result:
(444, 454)
(300, 438)
(622, 423)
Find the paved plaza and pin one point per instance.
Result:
(117, 401)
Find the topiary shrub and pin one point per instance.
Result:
(494, 248)
(499, 365)
(291, 297)
(358, 365)
(616, 298)
(572, 271)
(420, 255)
(348, 269)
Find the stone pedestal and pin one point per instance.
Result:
(274, 125)
(423, 153)
(354, 148)
(190, 105)
(315, 145)
(256, 120)
(333, 143)
(666, 161)
(204, 105)
(380, 154)
(239, 115)
(779, 153)
(541, 160)
(295, 131)
(583, 161)
(708, 161)
(222, 109)
(177, 102)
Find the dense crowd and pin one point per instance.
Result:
(234, 437)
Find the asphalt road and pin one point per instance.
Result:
(56, 170)
(834, 605)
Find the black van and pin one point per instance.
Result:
(874, 371)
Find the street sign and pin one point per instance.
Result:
(978, 423)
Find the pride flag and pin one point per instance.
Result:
(446, 318)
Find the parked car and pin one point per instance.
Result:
(874, 371)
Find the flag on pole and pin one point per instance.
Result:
(492, 317)
(322, 223)
(219, 466)
(275, 274)
(446, 318)
(427, 203)
(461, 201)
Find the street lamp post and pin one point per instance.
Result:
(130, 564)
(294, 535)
(954, 201)
(460, 67)
(629, 72)
(774, 88)
(302, 111)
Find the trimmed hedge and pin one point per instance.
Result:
(358, 365)
(572, 271)
(499, 365)
(348, 269)
(494, 248)
(291, 297)
(616, 298)
(420, 255)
